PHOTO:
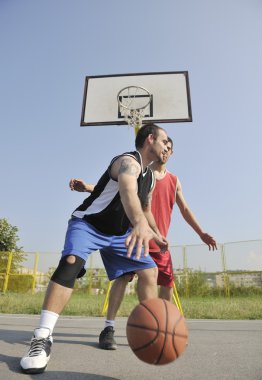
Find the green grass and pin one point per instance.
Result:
(241, 307)
(81, 304)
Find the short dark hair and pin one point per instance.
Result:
(146, 130)
(171, 142)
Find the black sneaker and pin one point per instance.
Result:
(35, 361)
(106, 339)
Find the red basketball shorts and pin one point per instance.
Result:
(165, 268)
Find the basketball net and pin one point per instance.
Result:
(133, 101)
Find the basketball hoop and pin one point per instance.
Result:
(133, 102)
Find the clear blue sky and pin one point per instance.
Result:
(47, 49)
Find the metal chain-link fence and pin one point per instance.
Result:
(235, 265)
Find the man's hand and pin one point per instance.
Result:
(162, 242)
(80, 185)
(139, 238)
(209, 240)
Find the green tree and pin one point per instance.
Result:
(8, 243)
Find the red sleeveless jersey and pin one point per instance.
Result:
(163, 200)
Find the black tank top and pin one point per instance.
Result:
(103, 208)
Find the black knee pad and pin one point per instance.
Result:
(66, 273)
(82, 272)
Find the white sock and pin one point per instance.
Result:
(48, 320)
(109, 322)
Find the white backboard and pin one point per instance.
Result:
(169, 92)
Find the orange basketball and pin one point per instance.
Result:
(156, 331)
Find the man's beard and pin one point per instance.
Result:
(161, 161)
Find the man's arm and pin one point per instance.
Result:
(126, 171)
(191, 219)
(152, 223)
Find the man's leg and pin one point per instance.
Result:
(166, 293)
(61, 284)
(81, 240)
(117, 292)
(146, 288)
(116, 296)
(57, 295)
(56, 298)
(165, 274)
(147, 284)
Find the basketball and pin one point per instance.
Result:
(156, 331)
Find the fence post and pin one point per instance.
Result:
(185, 271)
(225, 274)
(7, 273)
(35, 272)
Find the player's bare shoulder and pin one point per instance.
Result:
(125, 165)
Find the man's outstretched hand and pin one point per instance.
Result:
(209, 240)
(80, 185)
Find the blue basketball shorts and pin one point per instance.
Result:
(82, 239)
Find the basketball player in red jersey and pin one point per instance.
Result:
(167, 192)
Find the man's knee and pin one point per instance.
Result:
(149, 274)
(68, 270)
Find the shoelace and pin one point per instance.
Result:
(37, 345)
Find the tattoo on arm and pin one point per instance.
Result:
(128, 167)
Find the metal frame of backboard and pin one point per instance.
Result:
(126, 80)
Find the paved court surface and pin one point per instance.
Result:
(218, 350)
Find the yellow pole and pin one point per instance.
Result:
(8, 268)
(105, 306)
(35, 272)
(177, 300)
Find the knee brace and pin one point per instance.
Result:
(66, 272)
